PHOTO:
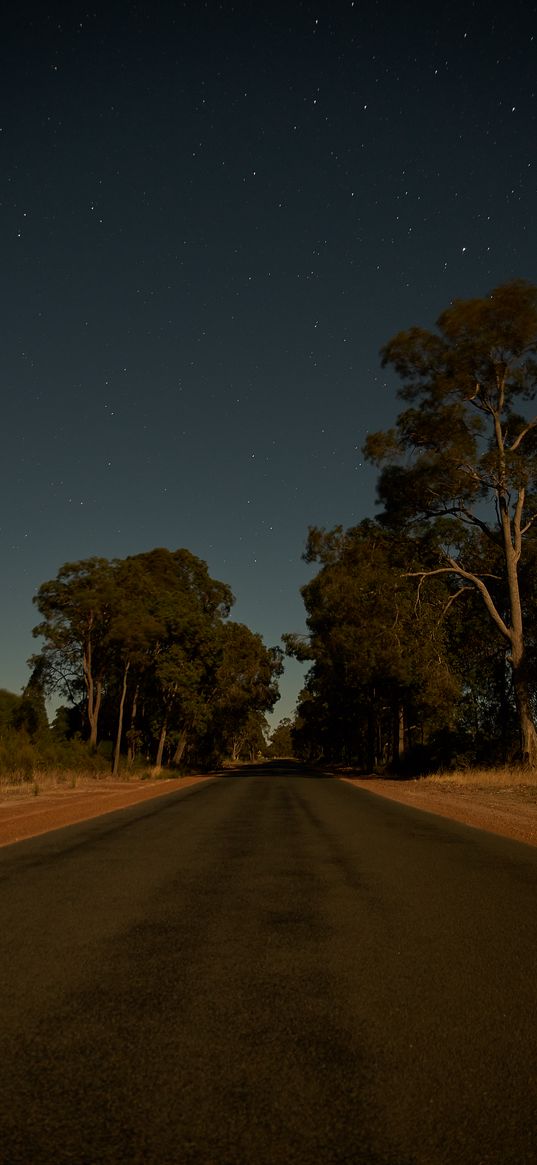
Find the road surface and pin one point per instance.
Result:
(273, 968)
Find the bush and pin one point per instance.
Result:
(20, 757)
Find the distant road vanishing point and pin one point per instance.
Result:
(273, 968)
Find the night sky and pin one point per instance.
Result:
(212, 217)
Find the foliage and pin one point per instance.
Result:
(379, 679)
(245, 689)
(21, 757)
(249, 741)
(281, 739)
(142, 649)
(463, 458)
(9, 705)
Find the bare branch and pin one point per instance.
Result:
(466, 516)
(482, 404)
(475, 521)
(485, 595)
(477, 582)
(532, 424)
(422, 575)
(422, 578)
(455, 568)
(470, 471)
(528, 525)
(454, 596)
(428, 573)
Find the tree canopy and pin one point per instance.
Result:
(463, 455)
(144, 648)
(379, 671)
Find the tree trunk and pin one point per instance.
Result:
(379, 744)
(131, 735)
(93, 711)
(160, 750)
(528, 734)
(503, 687)
(117, 749)
(398, 731)
(93, 693)
(181, 745)
(401, 731)
(236, 746)
(371, 740)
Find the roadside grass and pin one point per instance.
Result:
(472, 779)
(21, 783)
(505, 777)
(39, 779)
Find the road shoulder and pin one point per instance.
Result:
(24, 817)
(508, 812)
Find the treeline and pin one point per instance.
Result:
(423, 624)
(152, 668)
(403, 676)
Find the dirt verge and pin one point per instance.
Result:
(510, 811)
(22, 817)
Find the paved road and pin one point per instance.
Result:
(270, 969)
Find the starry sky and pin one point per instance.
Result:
(212, 217)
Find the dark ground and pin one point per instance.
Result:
(271, 968)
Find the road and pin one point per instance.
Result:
(275, 969)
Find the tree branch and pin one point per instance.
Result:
(473, 520)
(532, 424)
(470, 471)
(422, 575)
(477, 582)
(485, 595)
(454, 596)
(466, 516)
(482, 404)
(528, 525)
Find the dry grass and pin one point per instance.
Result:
(19, 784)
(507, 777)
(491, 780)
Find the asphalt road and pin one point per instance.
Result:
(269, 969)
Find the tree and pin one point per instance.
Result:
(464, 456)
(245, 688)
(147, 623)
(76, 607)
(379, 671)
(249, 741)
(190, 608)
(143, 641)
(281, 740)
(132, 634)
(10, 704)
(31, 715)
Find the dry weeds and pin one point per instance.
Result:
(19, 785)
(506, 778)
